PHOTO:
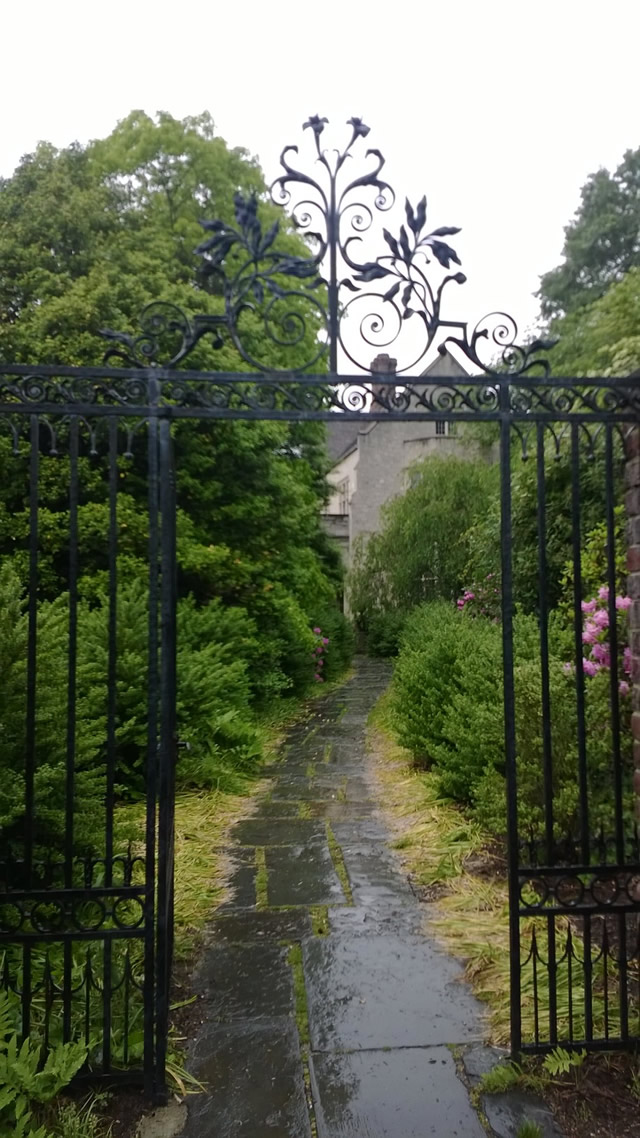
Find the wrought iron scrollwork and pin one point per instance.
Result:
(334, 300)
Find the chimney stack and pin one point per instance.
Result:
(383, 364)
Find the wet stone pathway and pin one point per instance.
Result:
(324, 1010)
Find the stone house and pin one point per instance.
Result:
(370, 462)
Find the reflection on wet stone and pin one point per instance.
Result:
(413, 1093)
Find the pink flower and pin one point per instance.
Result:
(591, 633)
(317, 632)
(603, 593)
(623, 687)
(460, 603)
(317, 677)
(600, 652)
(589, 606)
(469, 596)
(623, 602)
(626, 660)
(601, 618)
(590, 667)
(325, 639)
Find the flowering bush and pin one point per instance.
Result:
(318, 654)
(595, 636)
(482, 598)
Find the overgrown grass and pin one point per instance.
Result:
(439, 846)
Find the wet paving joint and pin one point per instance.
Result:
(325, 1013)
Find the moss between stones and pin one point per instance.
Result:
(338, 864)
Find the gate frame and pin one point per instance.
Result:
(516, 392)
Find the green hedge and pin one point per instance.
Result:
(447, 709)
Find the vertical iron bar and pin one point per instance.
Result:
(168, 748)
(570, 980)
(623, 973)
(613, 645)
(332, 239)
(547, 751)
(509, 715)
(72, 651)
(112, 676)
(30, 741)
(152, 745)
(587, 967)
(107, 967)
(30, 736)
(544, 644)
(72, 662)
(583, 783)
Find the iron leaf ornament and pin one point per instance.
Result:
(333, 304)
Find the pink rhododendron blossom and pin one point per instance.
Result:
(325, 639)
(601, 618)
(603, 593)
(460, 603)
(590, 667)
(600, 652)
(591, 633)
(623, 602)
(589, 606)
(623, 687)
(317, 632)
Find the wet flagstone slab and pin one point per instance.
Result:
(385, 990)
(269, 832)
(241, 880)
(302, 875)
(262, 926)
(254, 1083)
(412, 1093)
(249, 982)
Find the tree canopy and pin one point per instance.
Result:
(602, 241)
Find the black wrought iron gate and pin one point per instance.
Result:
(86, 914)
(86, 910)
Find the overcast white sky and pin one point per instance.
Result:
(498, 109)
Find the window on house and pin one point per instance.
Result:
(343, 491)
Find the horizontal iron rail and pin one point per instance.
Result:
(581, 909)
(167, 411)
(19, 938)
(73, 893)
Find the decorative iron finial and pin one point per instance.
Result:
(334, 300)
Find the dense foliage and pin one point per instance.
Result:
(422, 550)
(88, 236)
(447, 709)
(447, 692)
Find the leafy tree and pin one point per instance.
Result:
(602, 338)
(422, 550)
(88, 237)
(602, 242)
